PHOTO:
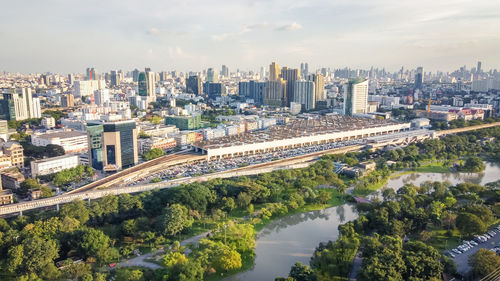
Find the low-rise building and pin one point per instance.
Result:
(71, 141)
(155, 142)
(53, 165)
(15, 151)
(12, 180)
(184, 122)
(6, 197)
(49, 122)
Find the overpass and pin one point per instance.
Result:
(289, 163)
(89, 192)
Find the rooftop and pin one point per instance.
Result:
(296, 129)
(61, 135)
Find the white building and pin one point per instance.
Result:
(101, 96)
(71, 141)
(49, 122)
(304, 93)
(88, 87)
(356, 97)
(53, 165)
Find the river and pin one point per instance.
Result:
(291, 239)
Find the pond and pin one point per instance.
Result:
(292, 239)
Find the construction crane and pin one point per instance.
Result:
(429, 102)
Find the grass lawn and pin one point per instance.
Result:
(370, 188)
(435, 167)
(442, 241)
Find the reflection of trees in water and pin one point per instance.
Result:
(325, 214)
(411, 178)
(341, 213)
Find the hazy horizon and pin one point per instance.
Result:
(68, 36)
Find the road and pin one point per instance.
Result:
(462, 260)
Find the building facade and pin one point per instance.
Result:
(356, 97)
(53, 165)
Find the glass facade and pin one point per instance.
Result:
(94, 132)
(126, 130)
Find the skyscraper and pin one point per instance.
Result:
(289, 75)
(193, 85)
(275, 93)
(212, 76)
(319, 86)
(91, 74)
(304, 94)
(274, 71)
(224, 71)
(67, 100)
(356, 97)
(419, 78)
(478, 70)
(20, 105)
(146, 82)
(304, 69)
(112, 145)
(114, 78)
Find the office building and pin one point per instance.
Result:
(419, 78)
(112, 145)
(356, 97)
(114, 78)
(184, 122)
(91, 74)
(135, 75)
(319, 86)
(214, 90)
(19, 105)
(212, 76)
(53, 165)
(304, 69)
(224, 71)
(71, 141)
(87, 88)
(252, 90)
(193, 85)
(274, 71)
(478, 69)
(146, 82)
(71, 79)
(289, 75)
(67, 100)
(101, 97)
(304, 94)
(275, 93)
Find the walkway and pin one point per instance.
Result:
(141, 260)
(356, 265)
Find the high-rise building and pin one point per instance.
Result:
(212, 76)
(289, 75)
(19, 105)
(252, 89)
(101, 97)
(71, 79)
(478, 69)
(304, 94)
(214, 90)
(146, 82)
(224, 71)
(275, 93)
(45, 79)
(114, 78)
(419, 77)
(112, 145)
(67, 100)
(319, 86)
(193, 85)
(274, 71)
(87, 88)
(91, 74)
(356, 97)
(135, 75)
(304, 69)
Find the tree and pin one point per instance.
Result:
(38, 254)
(484, 262)
(94, 243)
(175, 219)
(302, 272)
(77, 210)
(123, 274)
(54, 150)
(153, 154)
(473, 164)
(470, 224)
(422, 261)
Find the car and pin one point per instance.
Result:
(474, 243)
(457, 251)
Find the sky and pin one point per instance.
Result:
(64, 36)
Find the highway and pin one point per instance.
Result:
(98, 188)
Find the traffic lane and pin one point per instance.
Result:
(462, 260)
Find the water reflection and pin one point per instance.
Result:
(490, 174)
(293, 239)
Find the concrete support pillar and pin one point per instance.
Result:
(57, 207)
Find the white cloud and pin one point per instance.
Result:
(153, 31)
(289, 27)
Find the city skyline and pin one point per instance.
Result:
(59, 36)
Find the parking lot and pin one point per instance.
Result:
(207, 167)
(462, 260)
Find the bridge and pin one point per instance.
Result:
(95, 190)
